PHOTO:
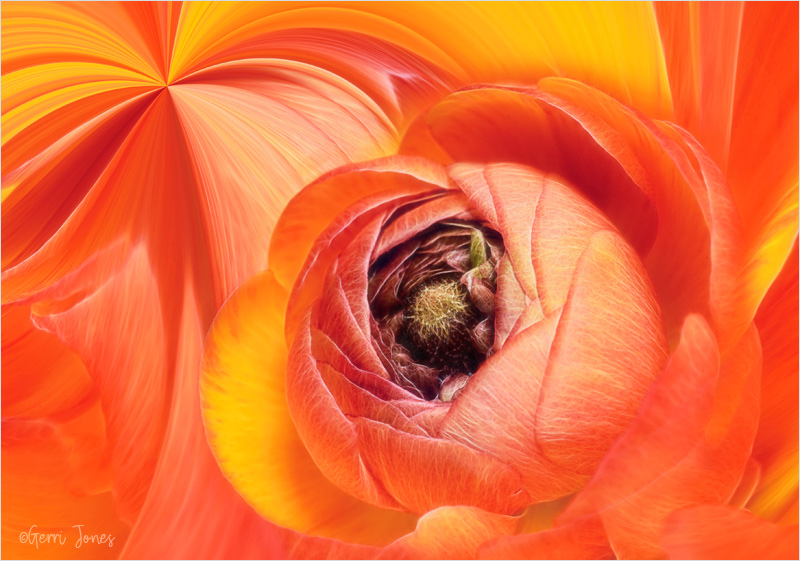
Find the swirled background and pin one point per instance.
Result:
(149, 148)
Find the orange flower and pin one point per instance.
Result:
(604, 265)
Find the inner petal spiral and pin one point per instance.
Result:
(432, 301)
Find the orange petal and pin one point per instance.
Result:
(713, 532)
(244, 402)
(37, 33)
(681, 277)
(615, 47)
(733, 301)
(55, 475)
(764, 138)
(701, 46)
(42, 376)
(55, 452)
(133, 386)
(718, 55)
(775, 446)
(52, 183)
(198, 503)
(751, 477)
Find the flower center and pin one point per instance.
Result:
(432, 303)
(439, 316)
(436, 312)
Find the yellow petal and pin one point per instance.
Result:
(252, 434)
(613, 46)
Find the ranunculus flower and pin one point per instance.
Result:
(550, 308)
(364, 281)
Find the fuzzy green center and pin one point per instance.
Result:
(437, 311)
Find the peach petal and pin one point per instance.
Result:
(415, 220)
(330, 438)
(451, 532)
(689, 444)
(510, 302)
(507, 195)
(355, 402)
(607, 350)
(561, 232)
(393, 190)
(522, 125)
(324, 349)
(655, 208)
(342, 311)
(425, 473)
(679, 277)
(496, 410)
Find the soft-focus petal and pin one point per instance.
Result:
(108, 330)
(55, 451)
(718, 56)
(701, 46)
(764, 142)
(709, 532)
(775, 446)
(189, 495)
(582, 540)
(612, 46)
